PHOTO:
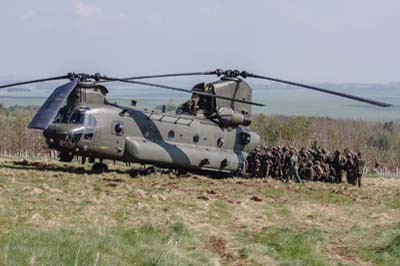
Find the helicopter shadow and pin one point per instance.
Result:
(50, 167)
(133, 172)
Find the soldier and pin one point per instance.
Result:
(318, 171)
(274, 167)
(309, 171)
(331, 174)
(252, 163)
(338, 164)
(257, 162)
(285, 162)
(359, 164)
(278, 162)
(303, 154)
(349, 167)
(266, 163)
(302, 170)
(293, 169)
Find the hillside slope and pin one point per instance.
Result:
(55, 214)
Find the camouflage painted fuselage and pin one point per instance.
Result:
(164, 139)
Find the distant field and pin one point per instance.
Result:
(279, 99)
(55, 214)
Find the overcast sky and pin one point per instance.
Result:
(305, 40)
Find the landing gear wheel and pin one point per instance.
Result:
(241, 171)
(99, 168)
(66, 157)
(238, 173)
(182, 172)
(151, 170)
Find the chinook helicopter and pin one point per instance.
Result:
(209, 132)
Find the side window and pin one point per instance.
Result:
(118, 128)
(92, 121)
(90, 129)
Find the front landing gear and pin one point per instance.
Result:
(66, 157)
(99, 168)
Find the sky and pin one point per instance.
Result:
(302, 40)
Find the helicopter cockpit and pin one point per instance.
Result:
(70, 126)
(75, 117)
(198, 105)
(79, 116)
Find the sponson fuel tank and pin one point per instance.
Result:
(188, 143)
(184, 155)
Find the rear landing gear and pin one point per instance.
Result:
(99, 168)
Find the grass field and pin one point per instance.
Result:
(55, 214)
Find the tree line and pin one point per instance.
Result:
(379, 142)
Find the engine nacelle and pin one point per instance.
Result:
(229, 117)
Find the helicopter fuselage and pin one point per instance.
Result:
(152, 137)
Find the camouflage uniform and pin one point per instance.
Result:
(256, 163)
(358, 169)
(266, 163)
(316, 164)
(349, 167)
(318, 171)
(293, 167)
(338, 165)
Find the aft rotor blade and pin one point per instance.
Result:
(32, 81)
(48, 111)
(345, 95)
(182, 90)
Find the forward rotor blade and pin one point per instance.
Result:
(48, 111)
(169, 75)
(345, 95)
(32, 81)
(181, 90)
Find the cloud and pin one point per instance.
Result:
(28, 15)
(123, 16)
(84, 10)
(155, 18)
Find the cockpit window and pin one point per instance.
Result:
(77, 118)
(61, 117)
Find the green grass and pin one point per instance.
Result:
(383, 248)
(287, 246)
(147, 245)
(57, 216)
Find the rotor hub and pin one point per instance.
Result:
(83, 77)
(231, 73)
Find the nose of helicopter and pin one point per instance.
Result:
(63, 135)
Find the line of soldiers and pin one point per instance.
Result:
(313, 164)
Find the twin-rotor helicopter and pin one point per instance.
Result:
(209, 132)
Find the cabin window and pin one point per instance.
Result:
(118, 128)
(171, 135)
(196, 138)
(220, 142)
